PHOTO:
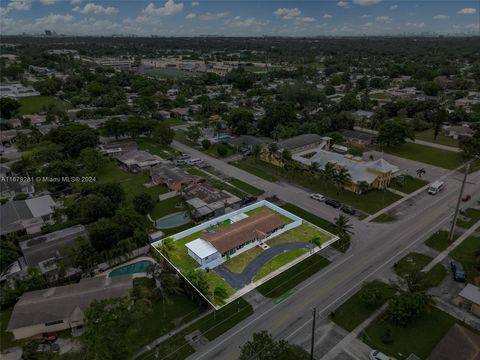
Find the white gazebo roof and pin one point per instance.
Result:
(201, 248)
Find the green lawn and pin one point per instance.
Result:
(414, 262)
(6, 338)
(132, 184)
(302, 233)
(370, 202)
(468, 253)
(287, 220)
(407, 184)
(252, 190)
(278, 261)
(439, 240)
(472, 214)
(238, 263)
(252, 170)
(211, 326)
(179, 256)
(378, 96)
(181, 137)
(220, 185)
(290, 278)
(173, 122)
(152, 148)
(442, 139)
(215, 280)
(166, 207)
(383, 218)
(419, 338)
(354, 311)
(35, 104)
(426, 154)
(213, 150)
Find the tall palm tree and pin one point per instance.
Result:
(166, 283)
(420, 172)
(272, 150)
(286, 156)
(343, 226)
(341, 178)
(329, 172)
(313, 168)
(256, 151)
(166, 247)
(218, 127)
(363, 187)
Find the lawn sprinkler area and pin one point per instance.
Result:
(228, 256)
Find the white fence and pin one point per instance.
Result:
(167, 195)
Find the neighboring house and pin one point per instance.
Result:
(16, 90)
(181, 113)
(469, 299)
(458, 343)
(248, 141)
(172, 177)
(138, 161)
(358, 139)
(459, 132)
(9, 188)
(210, 248)
(206, 201)
(63, 307)
(363, 115)
(45, 251)
(114, 149)
(26, 215)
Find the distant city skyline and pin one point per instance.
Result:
(240, 18)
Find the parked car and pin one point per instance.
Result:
(457, 271)
(194, 161)
(180, 162)
(318, 197)
(249, 199)
(201, 165)
(466, 198)
(348, 210)
(183, 157)
(377, 355)
(46, 337)
(48, 347)
(333, 203)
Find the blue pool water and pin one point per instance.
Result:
(224, 138)
(138, 267)
(173, 220)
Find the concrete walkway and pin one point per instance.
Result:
(456, 243)
(240, 280)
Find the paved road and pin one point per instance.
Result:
(375, 248)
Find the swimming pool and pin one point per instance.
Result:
(138, 267)
(173, 220)
(223, 138)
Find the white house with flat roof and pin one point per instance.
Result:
(204, 253)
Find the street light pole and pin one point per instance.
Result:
(313, 333)
(457, 208)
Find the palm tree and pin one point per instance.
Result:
(363, 186)
(166, 283)
(421, 172)
(341, 178)
(219, 295)
(272, 150)
(313, 168)
(256, 151)
(218, 127)
(166, 247)
(286, 156)
(328, 172)
(342, 224)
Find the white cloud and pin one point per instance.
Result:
(394, 7)
(343, 4)
(48, 2)
(385, 19)
(20, 5)
(212, 16)
(367, 24)
(327, 16)
(96, 9)
(191, 16)
(415, 25)
(195, 3)
(366, 2)
(467, 11)
(3, 11)
(441, 17)
(237, 21)
(467, 27)
(169, 8)
(366, 16)
(306, 19)
(288, 14)
(76, 2)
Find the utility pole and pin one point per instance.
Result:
(313, 333)
(457, 209)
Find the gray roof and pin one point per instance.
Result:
(352, 134)
(51, 245)
(14, 214)
(171, 174)
(138, 157)
(299, 141)
(471, 293)
(64, 302)
(248, 140)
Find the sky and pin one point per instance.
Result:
(240, 18)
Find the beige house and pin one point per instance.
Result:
(63, 307)
(469, 299)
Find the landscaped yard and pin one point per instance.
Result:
(152, 148)
(383, 218)
(315, 220)
(278, 261)
(287, 220)
(370, 202)
(220, 185)
(472, 214)
(419, 338)
(442, 139)
(35, 104)
(212, 150)
(407, 184)
(252, 190)
(468, 253)
(428, 155)
(354, 311)
(238, 263)
(211, 326)
(378, 96)
(414, 262)
(302, 233)
(6, 338)
(179, 256)
(173, 122)
(290, 278)
(252, 170)
(166, 207)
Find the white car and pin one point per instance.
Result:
(377, 355)
(318, 197)
(194, 161)
(183, 157)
